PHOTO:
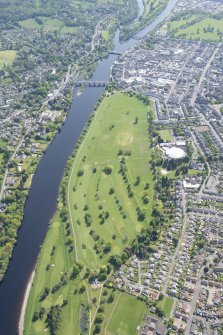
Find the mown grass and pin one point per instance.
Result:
(113, 129)
(209, 29)
(105, 34)
(166, 305)
(127, 316)
(165, 135)
(7, 57)
(60, 263)
(48, 24)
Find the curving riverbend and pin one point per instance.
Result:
(42, 200)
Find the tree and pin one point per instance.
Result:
(111, 298)
(107, 170)
(54, 319)
(35, 316)
(97, 329)
(99, 318)
(159, 312)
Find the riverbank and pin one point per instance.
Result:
(24, 304)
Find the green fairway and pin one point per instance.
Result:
(126, 317)
(59, 263)
(120, 123)
(7, 57)
(166, 305)
(196, 26)
(206, 29)
(106, 220)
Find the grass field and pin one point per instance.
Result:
(105, 34)
(197, 30)
(126, 317)
(196, 26)
(60, 263)
(48, 24)
(165, 135)
(166, 305)
(7, 57)
(113, 129)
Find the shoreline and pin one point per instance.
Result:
(24, 304)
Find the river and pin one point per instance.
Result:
(41, 203)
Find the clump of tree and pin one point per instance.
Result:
(54, 319)
(107, 169)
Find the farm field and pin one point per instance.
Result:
(7, 57)
(103, 192)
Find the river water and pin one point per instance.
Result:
(41, 203)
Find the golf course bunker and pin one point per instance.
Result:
(124, 138)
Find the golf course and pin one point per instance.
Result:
(109, 198)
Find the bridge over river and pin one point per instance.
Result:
(91, 83)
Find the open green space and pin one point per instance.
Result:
(48, 24)
(153, 6)
(105, 34)
(126, 316)
(60, 263)
(165, 134)
(7, 57)
(196, 26)
(166, 305)
(207, 29)
(108, 179)
(118, 132)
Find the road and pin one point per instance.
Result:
(198, 86)
(174, 257)
(12, 116)
(179, 74)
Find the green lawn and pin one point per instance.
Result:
(69, 30)
(105, 34)
(113, 129)
(192, 171)
(177, 24)
(201, 30)
(7, 57)
(48, 24)
(127, 316)
(61, 262)
(165, 135)
(166, 305)
(30, 24)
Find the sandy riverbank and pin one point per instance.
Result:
(24, 304)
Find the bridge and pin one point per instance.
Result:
(115, 53)
(91, 83)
